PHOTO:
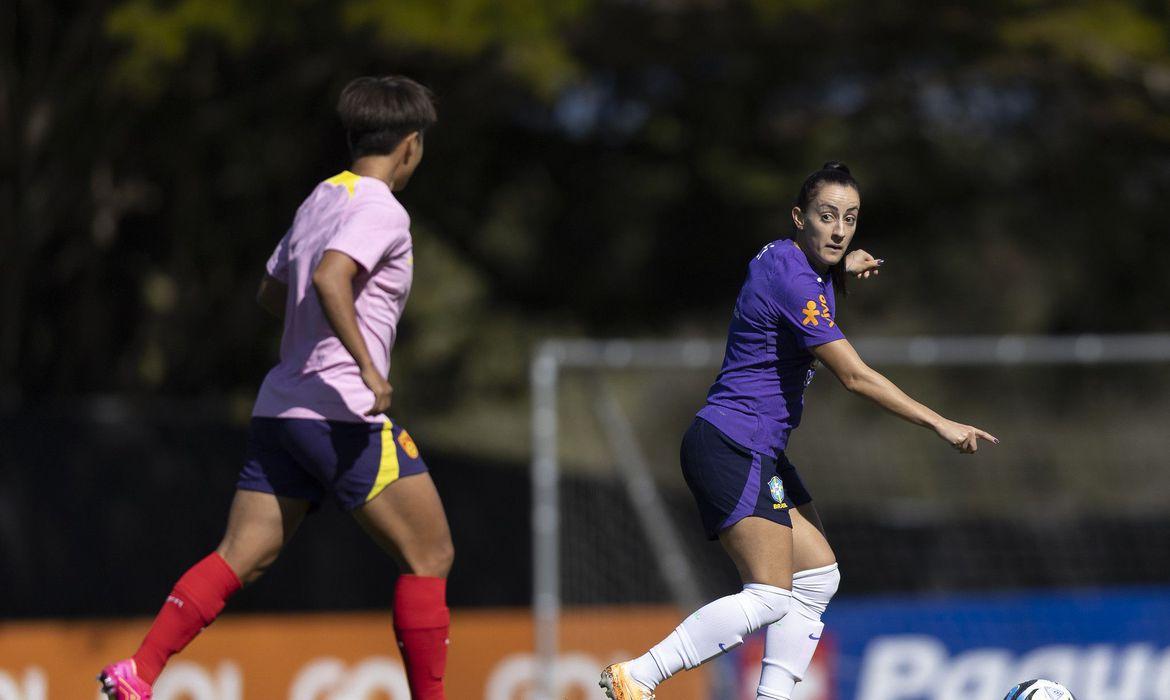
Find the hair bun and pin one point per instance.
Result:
(836, 165)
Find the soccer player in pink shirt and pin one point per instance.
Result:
(339, 279)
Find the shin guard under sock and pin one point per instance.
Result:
(196, 600)
(421, 623)
(716, 628)
(790, 643)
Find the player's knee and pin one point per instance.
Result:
(249, 566)
(763, 604)
(259, 568)
(813, 589)
(435, 560)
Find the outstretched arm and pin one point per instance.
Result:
(333, 280)
(840, 357)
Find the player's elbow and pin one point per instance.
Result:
(323, 282)
(856, 380)
(320, 279)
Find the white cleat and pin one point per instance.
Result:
(618, 685)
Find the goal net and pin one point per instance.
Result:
(619, 555)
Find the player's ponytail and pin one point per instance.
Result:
(837, 173)
(838, 166)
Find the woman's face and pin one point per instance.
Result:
(826, 228)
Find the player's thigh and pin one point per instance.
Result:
(408, 521)
(761, 550)
(810, 547)
(259, 525)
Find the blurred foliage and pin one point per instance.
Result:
(600, 167)
(526, 32)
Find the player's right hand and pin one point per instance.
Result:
(964, 438)
(381, 388)
(861, 264)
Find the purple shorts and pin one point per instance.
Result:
(731, 482)
(303, 458)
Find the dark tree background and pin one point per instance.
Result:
(601, 167)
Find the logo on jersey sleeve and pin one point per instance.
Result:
(812, 313)
(825, 311)
(776, 489)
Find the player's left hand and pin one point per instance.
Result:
(962, 437)
(861, 264)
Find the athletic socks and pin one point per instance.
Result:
(714, 629)
(196, 600)
(421, 623)
(790, 643)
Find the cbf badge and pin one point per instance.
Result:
(776, 488)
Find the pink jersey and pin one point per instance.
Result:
(317, 378)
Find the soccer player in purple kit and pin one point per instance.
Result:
(339, 279)
(750, 496)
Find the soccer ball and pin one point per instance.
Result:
(1039, 689)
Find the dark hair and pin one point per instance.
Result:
(378, 112)
(837, 173)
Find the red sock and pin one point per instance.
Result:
(193, 604)
(421, 621)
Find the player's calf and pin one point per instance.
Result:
(714, 629)
(193, 604)
(789, 644)
(422, 623)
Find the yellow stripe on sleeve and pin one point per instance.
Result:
(346, 179)
(388, 466)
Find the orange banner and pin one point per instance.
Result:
(332, 657)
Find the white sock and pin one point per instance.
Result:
(713, 629)
(789, 644)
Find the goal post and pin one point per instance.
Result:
(556, 359)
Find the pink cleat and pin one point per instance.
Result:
(120, 681)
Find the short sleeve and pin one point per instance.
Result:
(805, 311)
(371, 234)
(277, 265)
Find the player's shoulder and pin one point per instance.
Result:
(374, 197)
(785, 265)
(367, 197)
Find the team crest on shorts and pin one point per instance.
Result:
(776, 488)
(408, 445)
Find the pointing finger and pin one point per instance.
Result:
(987, 436)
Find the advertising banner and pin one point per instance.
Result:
(1102, 645)
(330, 657)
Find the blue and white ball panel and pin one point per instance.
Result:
(1039, 689)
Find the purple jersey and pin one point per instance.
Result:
(317, 377)
(784, 308)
